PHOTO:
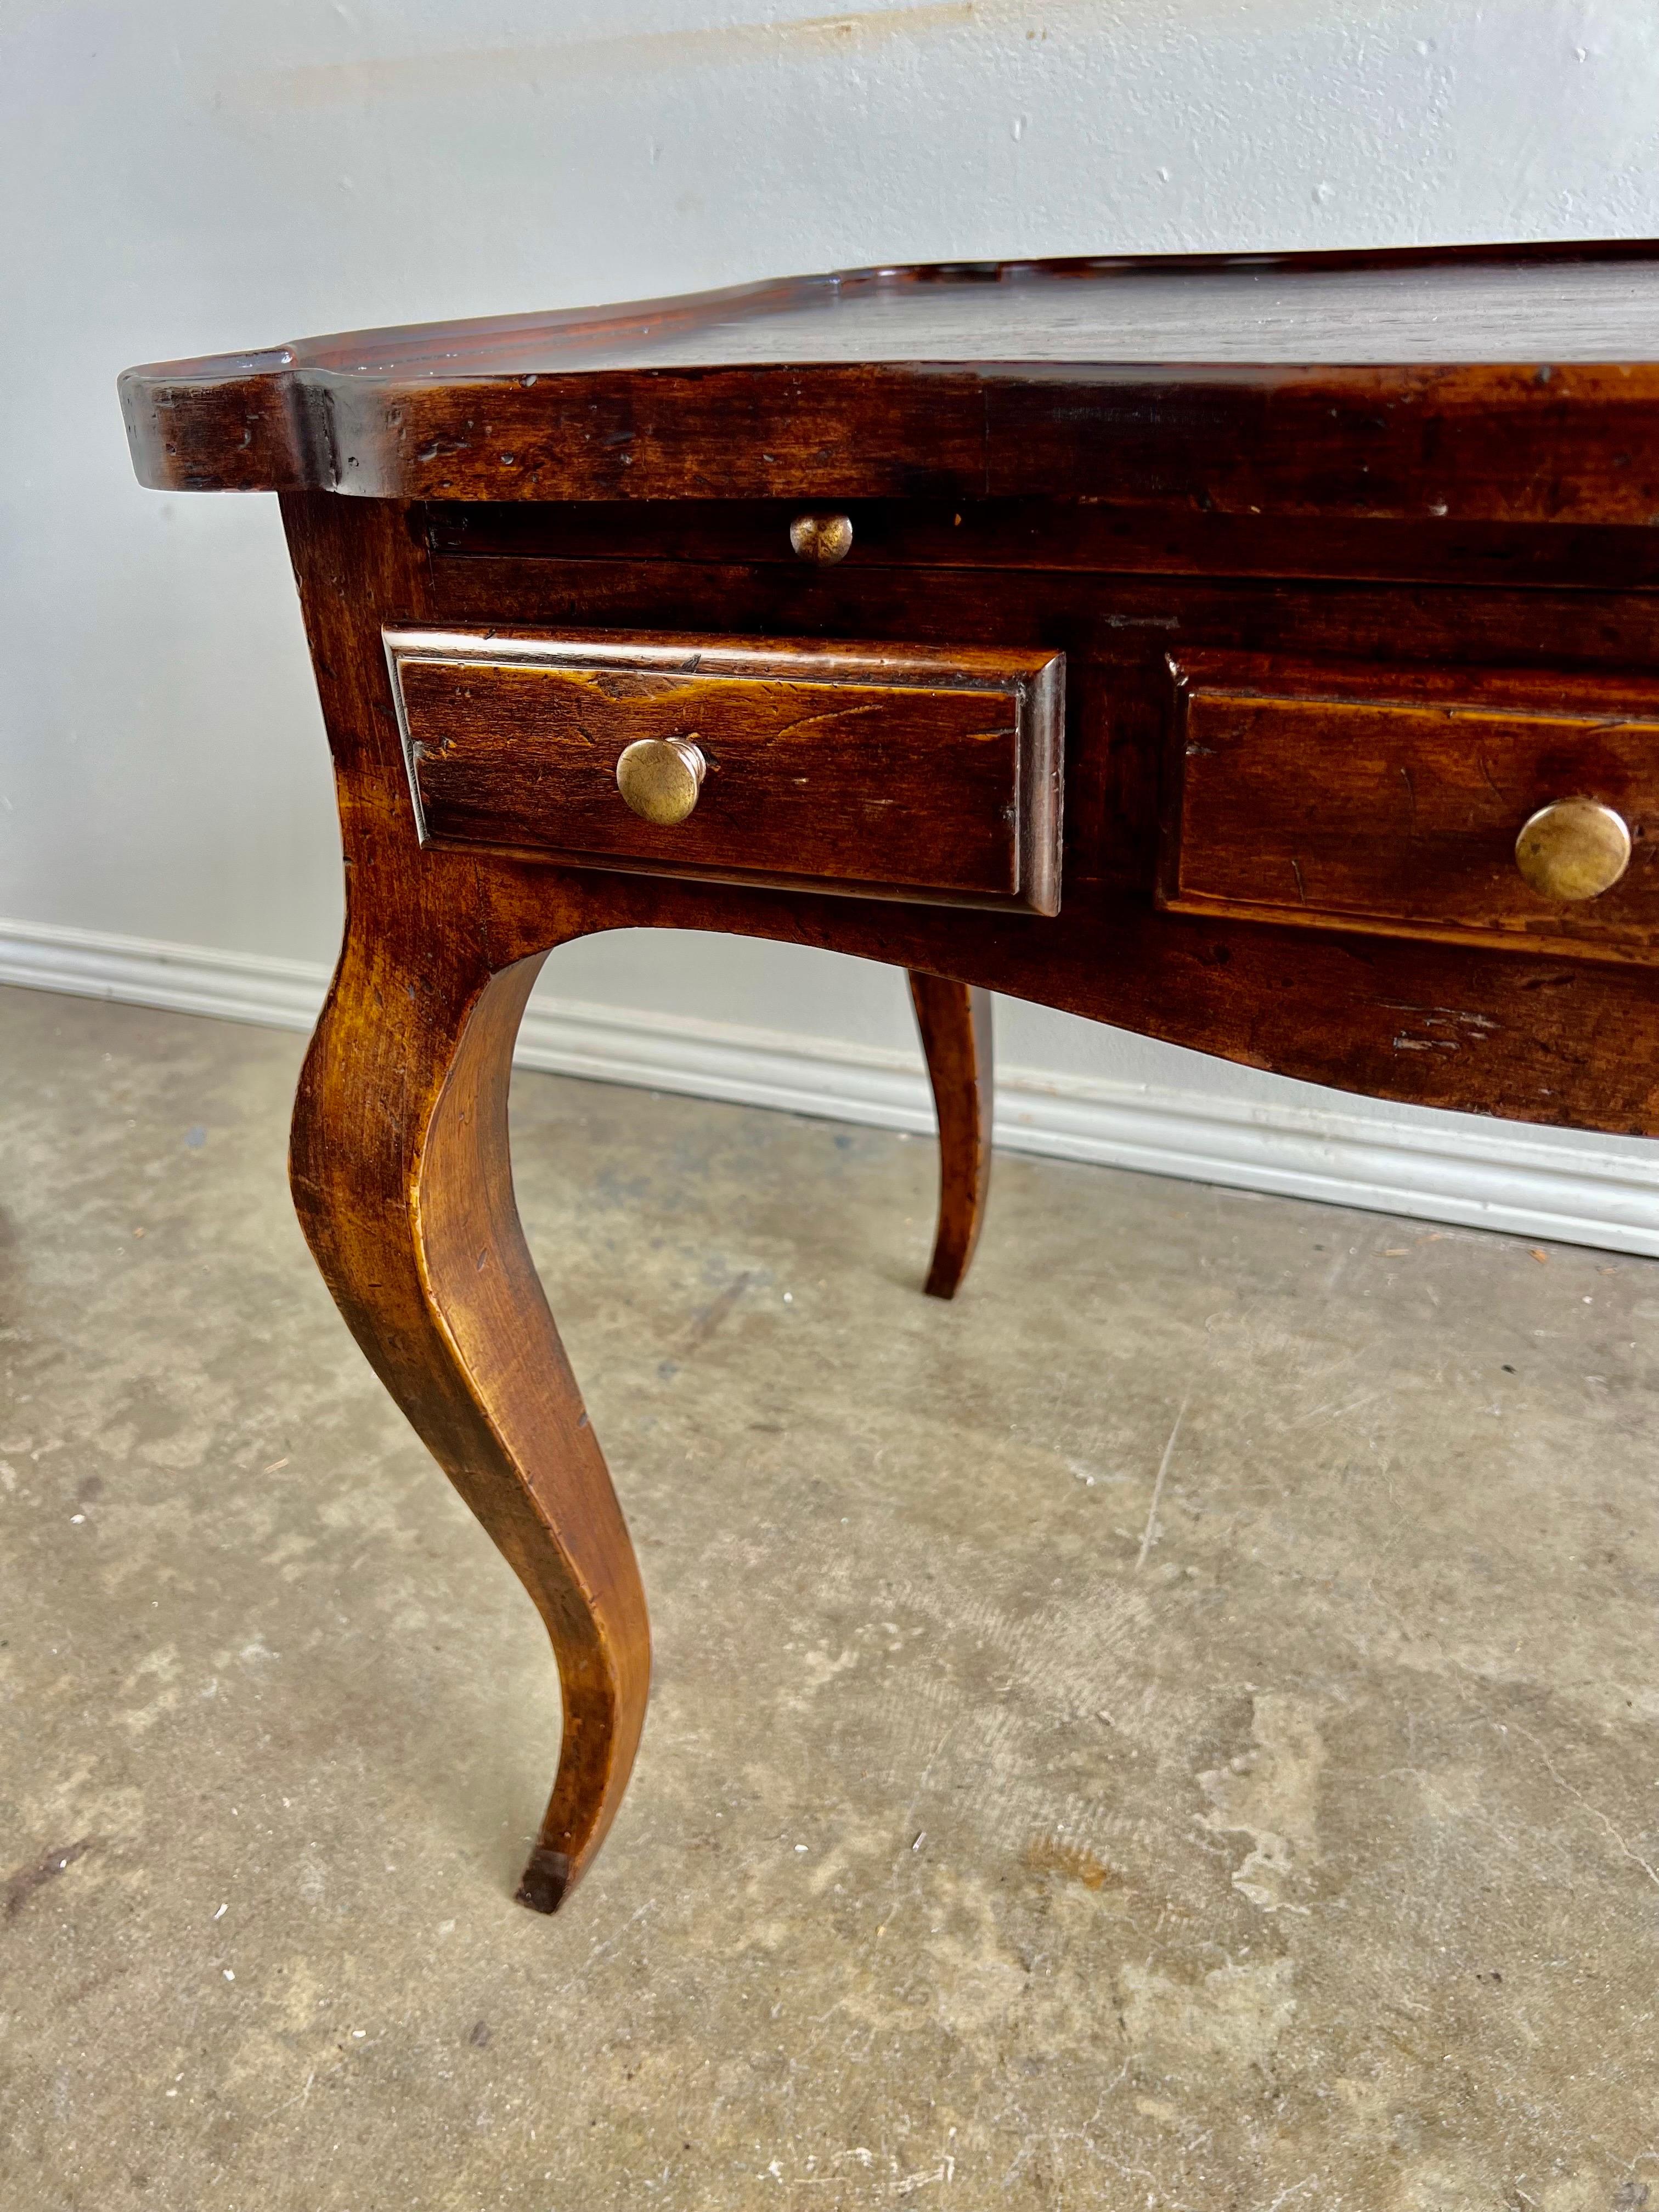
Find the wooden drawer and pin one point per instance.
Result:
(1390, 800)
(885, 771)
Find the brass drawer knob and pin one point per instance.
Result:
(823, 539)
(660, 778)
(1576, 848)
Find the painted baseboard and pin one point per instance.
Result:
(1447, 1168)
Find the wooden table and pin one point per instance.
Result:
(1308, 715)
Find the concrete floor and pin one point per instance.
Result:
(1006, 1833)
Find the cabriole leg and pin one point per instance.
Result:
(401, 1176)
(955, 1021)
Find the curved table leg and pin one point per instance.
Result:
(401, 1176)
(955, 1021)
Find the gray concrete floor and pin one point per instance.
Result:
(1005, 1832)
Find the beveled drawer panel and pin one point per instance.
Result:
(1391, 798)
(886, 771)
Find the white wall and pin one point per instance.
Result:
(186, 177)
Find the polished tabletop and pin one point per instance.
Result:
(956, 379)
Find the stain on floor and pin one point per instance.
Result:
(1041, 1806)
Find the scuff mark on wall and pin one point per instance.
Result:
(631, 53)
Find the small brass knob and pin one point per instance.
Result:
(660, 778)
(824, 539)
(1576, 848)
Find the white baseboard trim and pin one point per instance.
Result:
(181, 979)
(1460, 1169)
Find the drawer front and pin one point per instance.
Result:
(883, 771)
(1391, 799)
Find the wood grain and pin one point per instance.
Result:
(1512, 388)
(905, 773)
(1093, 535)
(955, 1023)
(1535, 1038)
(1443, 562)
(400, 1175)
(1386, 799)
(1115, 632)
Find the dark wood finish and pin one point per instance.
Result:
(955, 1023)
(1115, 632)
(1092, 536)
(412, 1218)
(998, 380)
(1390, 800)
(401, 1176)
(1444, 561)
(905, 773)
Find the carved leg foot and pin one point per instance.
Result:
(400, 1173)
(955, 1021)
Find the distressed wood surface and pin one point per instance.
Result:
(401, 1176)
(1092, 535)
(1440, 563)
(920, 774)
(1494, 385)
(1389, 799)
(1116, 632)
(1556, 1037)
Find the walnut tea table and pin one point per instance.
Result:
(1262, 654)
